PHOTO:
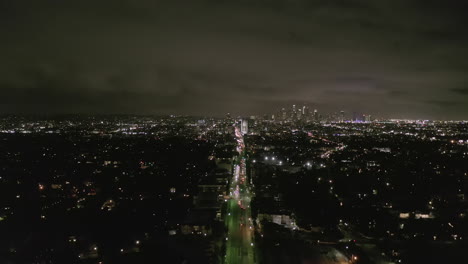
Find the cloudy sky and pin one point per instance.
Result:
(393, 58)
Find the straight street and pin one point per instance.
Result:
(240, 241)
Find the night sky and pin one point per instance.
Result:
(390, 58)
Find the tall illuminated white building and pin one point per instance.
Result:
(244, 126)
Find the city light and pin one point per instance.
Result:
(345, 186)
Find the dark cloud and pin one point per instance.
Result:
(396, 58)
(448, 104)
(462, 91)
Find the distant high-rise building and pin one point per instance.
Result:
(305, 111)
(316, 115)
(294, 112)
(342, 116)
(284, 114)
(367, 118)
(244, 126)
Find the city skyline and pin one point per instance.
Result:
(134, 189)
(233, 131)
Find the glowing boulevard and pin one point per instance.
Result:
(240, 247)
